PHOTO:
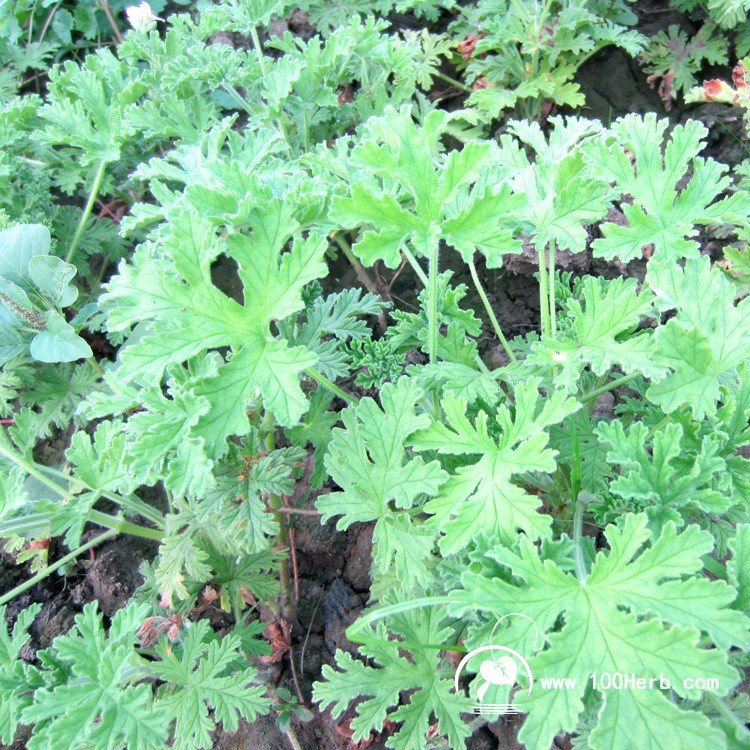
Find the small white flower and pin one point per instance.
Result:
(141, 17)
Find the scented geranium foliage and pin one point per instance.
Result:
(382, 482)
(672, 188)
(634, 612)
(480, 494)
(168, 291)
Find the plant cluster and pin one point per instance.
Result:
(212, 363)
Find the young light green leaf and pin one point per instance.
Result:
(561, 194)
(663, 477)
(369, 461)
(420, 671)
(705, 342)
(94, 702)
(425, 197)
(206, 674)
(663, 214)
(480, 495)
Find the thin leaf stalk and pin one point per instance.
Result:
(122, 526)
(432, 303)
(415, 266)
(268, 429)
(727, 713)
(241, 101)
(580, 566)
(136, 505)
(609, 387)
(490, 312)
(258, 50)
(111, 19)
(452, 81)
(35, 523)
(93, 194)
(331, 386)
(552, 299)
(544, 296)
(359, 269)
(42, 574)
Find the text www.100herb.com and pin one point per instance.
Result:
(630, 681)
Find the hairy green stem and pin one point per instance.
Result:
(415, 266)
(552, 300)
(292, 737)
(452, 81)
(432, 303)
(580, 566)
(136, 505)
(663, 423)
(609, 386)
(42, 574)
(268, 430)
(95, 366)
(326, 383)
(258, 50)
(490, 311)
(359, 269)
(101, 169)
(724, 710)
(543, 297)
(121, 526)
(34, 523)
(243, 103)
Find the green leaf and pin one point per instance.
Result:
(18, 245)
(84, 116)
(460, 380)
(316, 428)
(664, 213)
(423, 196)
(704, 344)
(94, 702)
(480, 494)
(52, 277)
(382, 686)
(368, 460)
(101, 462)
(180, 556)
(58, 342)
(189, 314)
(16, 679)
(603, 323)
(659, 475)
(162, 443)
(206, 674)
(635, 613)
